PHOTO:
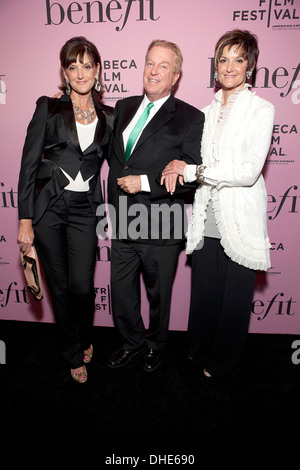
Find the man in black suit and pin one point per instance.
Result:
(149, 219)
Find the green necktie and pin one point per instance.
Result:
(136, 130)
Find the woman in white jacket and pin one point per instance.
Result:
(227, 234)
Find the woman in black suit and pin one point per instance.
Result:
(59, 191)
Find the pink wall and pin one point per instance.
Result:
(32, 34)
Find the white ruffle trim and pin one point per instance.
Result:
(196, 226)
(252, 257)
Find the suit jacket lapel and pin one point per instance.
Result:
(129, 113)
(69, 120)
(100, 129)
(70, 123)
(165, 113)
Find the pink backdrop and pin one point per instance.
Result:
(32, 34)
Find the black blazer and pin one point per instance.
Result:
(173, 133)
(52, 143)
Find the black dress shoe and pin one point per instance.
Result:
(152, 359)
(122, 357)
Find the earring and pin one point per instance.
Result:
(97, 84)
(68, 88)
(216, 76)
(248, 74)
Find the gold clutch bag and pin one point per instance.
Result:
(32, 273)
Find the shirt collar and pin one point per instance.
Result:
(233, 96)
(157, 104)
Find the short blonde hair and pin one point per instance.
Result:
(173, 47)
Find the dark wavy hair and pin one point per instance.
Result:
(76, 48)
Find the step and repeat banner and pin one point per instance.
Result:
(32, 34)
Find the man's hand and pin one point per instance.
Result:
(130, 184)
(175, 166)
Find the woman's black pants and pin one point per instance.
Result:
(66, 241)
(220, 309)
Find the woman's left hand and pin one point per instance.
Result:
(170, 182)
(170, 174)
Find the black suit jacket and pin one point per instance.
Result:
(52, 143)
(174, 132)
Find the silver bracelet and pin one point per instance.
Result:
(199, 173)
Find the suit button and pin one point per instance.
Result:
(125, 167)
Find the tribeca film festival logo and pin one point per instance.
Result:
(278, 14)
(112, 77)
(277, 153)
(117, 12)
(103, 299)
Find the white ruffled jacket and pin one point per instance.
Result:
(234, 168)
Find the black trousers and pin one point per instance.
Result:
(221, 299)
(157, 265)
(66, 242)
